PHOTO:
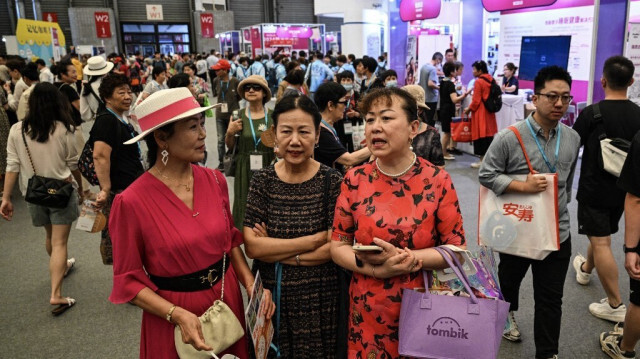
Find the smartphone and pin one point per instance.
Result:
(363, 248)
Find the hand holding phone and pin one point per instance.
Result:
(363, 248)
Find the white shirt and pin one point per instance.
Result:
(89, 104)
(55, 158)
(14, 98)
(212, 60)
(201, 65)
(46, 75)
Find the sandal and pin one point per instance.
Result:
(63, 307)
(70, 263)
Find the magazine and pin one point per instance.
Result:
(261, 329)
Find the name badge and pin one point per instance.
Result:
(348, 128)
(224, 108)
(255, 161)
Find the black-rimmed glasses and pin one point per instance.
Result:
(553, 98)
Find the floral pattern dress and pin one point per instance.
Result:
(418, 210)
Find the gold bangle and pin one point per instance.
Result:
(168, 317)
(373, 272)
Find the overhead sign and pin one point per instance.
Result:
(103, 24)
(50, 16)
(37, 32)
(206, 25)
(504, 5)
(411, 10)
(154, 12)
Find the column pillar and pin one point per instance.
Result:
(612, 14)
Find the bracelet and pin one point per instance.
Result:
(373, 272)
(168, 317)
(298, 260)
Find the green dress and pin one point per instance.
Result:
(246, 146)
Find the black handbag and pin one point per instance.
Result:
(44, 191)
(229, 160)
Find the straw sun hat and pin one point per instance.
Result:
(417, 92)
(164, 107)
(258, 80)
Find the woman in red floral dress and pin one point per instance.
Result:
(401, 203)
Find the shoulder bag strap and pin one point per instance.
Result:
(524, 151)
(226, 229)
(24, 139)
(597, 118)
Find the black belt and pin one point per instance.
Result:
(193, 282)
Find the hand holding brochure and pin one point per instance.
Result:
(260, 327)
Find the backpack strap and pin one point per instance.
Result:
(524, 151)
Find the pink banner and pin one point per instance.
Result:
(558, 4)
(411, 10)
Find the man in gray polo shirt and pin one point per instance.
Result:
(429, 82)
(552, 147)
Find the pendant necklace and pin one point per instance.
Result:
(186, 186)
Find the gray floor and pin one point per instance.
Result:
(98, 329)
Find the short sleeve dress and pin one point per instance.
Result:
(246, 146)
(418, 210)
(153, 231)
(309, 295)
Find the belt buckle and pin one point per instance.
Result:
(209, 277)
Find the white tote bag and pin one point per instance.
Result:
(524, 225)
(521, 224)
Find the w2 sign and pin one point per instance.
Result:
(103, 25)
(206, 25)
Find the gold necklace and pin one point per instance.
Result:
(186, 186)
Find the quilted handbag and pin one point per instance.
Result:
(44, 191)
(450, 327)
(85, 164)
(220, 326)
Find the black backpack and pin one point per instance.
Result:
(493, 103)
(272, 78)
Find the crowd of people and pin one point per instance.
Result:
(306, 189)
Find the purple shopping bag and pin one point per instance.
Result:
(448, 327)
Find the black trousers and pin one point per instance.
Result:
(548, 287)
(431, 113)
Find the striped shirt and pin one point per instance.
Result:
(505, 158)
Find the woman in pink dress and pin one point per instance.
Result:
(172, 227)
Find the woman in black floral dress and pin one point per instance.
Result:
(287, 229)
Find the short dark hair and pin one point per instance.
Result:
(61, 67)
(179, 80)
(447, 51)
(550, 73)
(436, 56)
(291, 65)
(458, 64)
(448, 68)
(31, 72)
(328, 92)
(342, 58)
(618, 71)
(302, 53)
(351, 57)
(295, 77)
(157, 71)
(109, 84)
(40, 62)
(296, 101)
(480, 66)
(388, 73)
(192, 66)
(16, 64)
(345, 75)
(386, 94)
(370, 64)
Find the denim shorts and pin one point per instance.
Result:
(42, 216)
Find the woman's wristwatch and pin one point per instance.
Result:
(635, 249)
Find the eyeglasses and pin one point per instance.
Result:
(343, 102)
(553, 98)
(250, 87)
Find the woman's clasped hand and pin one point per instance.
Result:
(391, 261)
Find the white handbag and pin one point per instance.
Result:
(220, 326)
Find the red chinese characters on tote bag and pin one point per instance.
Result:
(521, 224)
